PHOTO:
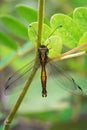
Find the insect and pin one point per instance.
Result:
(43, 57)
(58, 74)
(66, 80)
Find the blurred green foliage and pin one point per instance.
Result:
(15, 46)
(68, 31)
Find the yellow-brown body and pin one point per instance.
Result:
(43, 60)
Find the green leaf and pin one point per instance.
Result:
(80, 17)
(28, 13)
(15, 26)
(7, 41)
(54, 44)
(32, 32)
(85, 63)
(66, 29)
(71, 15)
(83, 40)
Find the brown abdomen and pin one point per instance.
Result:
(43, 80)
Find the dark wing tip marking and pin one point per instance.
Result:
(9, 78)
(80, 88)
(6, 87)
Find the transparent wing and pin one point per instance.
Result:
(63, 79)
(18, 78)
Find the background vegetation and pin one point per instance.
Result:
(60, 110)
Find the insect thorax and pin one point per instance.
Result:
(43, 54)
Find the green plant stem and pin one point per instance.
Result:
(28, 82)
(7, 127)
(40, 23)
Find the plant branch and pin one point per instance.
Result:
(73, 55)
(67, 55)
(40, 23)
(74, 50)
